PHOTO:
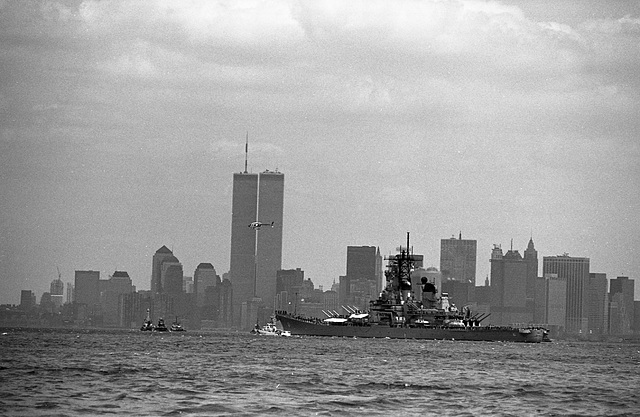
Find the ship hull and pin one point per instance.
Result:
(302, 327)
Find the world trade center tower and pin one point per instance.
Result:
(256, 252)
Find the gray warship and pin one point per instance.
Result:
(396, 314)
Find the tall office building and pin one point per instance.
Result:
(621, 294)
(597, 304)
(171, 275)
(243, 240)
(111, 291)
(27, 300)
(509, 288)
(531, 259)
(87, 288)
(156, 270)
(256, 253)
(204, 276)
(458, 259)
(70, 293)
(551, 301)
(288, 288)
(576, 273)
(269, 239)
(364, 275)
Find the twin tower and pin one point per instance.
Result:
(256, 252)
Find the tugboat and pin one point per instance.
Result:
(161, 327)
(147, 326)
(270, 329)
(397, 314)
(176, 327)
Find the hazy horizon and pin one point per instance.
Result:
(123, 123)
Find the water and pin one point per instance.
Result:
(100, 372)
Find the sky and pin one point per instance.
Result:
(122, 123)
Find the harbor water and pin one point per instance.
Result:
(67, 372)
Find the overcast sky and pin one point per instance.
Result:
(122, 124)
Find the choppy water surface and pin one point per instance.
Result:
(93, 372)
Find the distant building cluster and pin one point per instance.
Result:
(567, 297)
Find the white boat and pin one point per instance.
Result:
(270, 329)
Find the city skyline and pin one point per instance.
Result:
(122, 124)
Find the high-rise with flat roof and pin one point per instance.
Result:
(256, 252)
(27, 299)
(244, 211)
(269, 238)
(597, 303)
(364, 274)
(621, 294)
(576, 273)
(458, 259)
(288, 288)
(551, 301)
(87, 288)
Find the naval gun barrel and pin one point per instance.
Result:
(484, 316)
(348, 309)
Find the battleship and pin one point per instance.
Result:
(397, 314)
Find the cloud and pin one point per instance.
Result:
(359, 57)
(623, 26)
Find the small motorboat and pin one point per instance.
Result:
(161, 327)
(270, 329)
(176, 327)
(147, 326)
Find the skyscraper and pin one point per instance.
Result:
(288, 288)
(111, 291)
(27, 300)
(87, 288)
(156, 270)
(256, 253)
(70, 293)
(242, 268)
(551, 301)
(364, 275)
(269, 239)
(621, 296)
(203, 277)
(458, 259)
(531, 259)
(576, 273)
(509, 288)
(171, 275)
(597, 303)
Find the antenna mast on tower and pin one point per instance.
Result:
(246, 152)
